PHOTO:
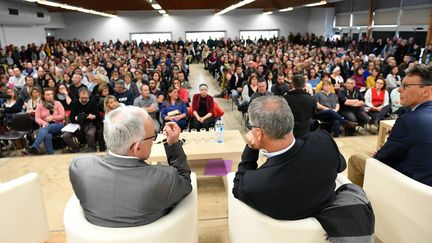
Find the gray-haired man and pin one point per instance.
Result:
(120, 189)
(298, 178)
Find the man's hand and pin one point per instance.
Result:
(91, 116)
(151, 108)
(172, 132)
(251, 140)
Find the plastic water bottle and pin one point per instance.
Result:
(219, 127)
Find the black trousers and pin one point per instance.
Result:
(195, 124)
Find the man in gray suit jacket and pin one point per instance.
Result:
(120, 189)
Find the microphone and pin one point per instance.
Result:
(182, 141)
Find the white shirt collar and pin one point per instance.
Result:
(415, 107)
(276, 153)
(122, 156)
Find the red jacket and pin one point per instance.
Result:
(209, 103)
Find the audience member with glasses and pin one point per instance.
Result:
(410, 141)
(122, 182)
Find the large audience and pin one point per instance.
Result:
(353, 83)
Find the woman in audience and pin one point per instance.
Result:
(324, 78)
(111, 103)
(174, 109)
(101, 93)
(313, 78)
(368, 71)
(202, 109)
(336, 79)
(12, 105)
(328, 108)
(247, 92)
(50, 116)
(308, 86)
(289, 77)
(67, 79)
(393, 79)
(269, 77)
(359, 80)
(182, 92)
(372, 78)
(377, 101)
(100, 80)
(48, 77)
(131, 86)
(32, 103)
(51, 83)
(62, 95)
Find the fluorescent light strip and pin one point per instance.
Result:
(156, 6)
(69, 7)
(286, 9)
(316, 4)
(385, 26)
(232, 7)
(268, 13)
(162, 11)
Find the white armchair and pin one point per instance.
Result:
(22, 211)
(248, 225)
(402, 206)
(179, 226)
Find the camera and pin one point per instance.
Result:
(81, 118)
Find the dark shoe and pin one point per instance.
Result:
(31, 151)
(350, 124)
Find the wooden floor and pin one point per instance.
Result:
(212, 199)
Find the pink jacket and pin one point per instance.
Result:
(42, 112)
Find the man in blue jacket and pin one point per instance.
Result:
(408, 148)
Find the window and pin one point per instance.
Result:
(256, 34)
(150, 36)
(386, 17)
(204, 35)
(342, 20)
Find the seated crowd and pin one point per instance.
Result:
(79, 82)
(362, 78)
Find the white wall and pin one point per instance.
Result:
(85, 26)
(20, 35)
(57, 21)
(320, 21)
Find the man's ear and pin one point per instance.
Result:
(133, 151)
(260, 136)
(428, 92)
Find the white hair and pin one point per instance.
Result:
(123, 127)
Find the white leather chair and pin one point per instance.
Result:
(402, 206)
(248, 225)
(179, 226)
(22, 211)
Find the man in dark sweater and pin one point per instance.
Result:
(84, 112)
(281, 88)
(261, 90)
(302, 105)
(298, 179)
(122, 94)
